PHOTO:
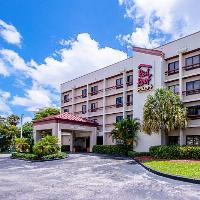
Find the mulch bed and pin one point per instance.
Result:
(144, 158)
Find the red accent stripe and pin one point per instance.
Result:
(148, 51)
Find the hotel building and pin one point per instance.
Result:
(119, 91)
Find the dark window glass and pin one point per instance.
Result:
(66, 98)
(196, 59)
(130, 79)
(84, 109)
(193, 85)
(119, 118)
(196, 85)
(119, 83)
(173, 140)
(193, 140)
(84, 93)
(193, 110)
(119, 101)
(188, 61)
(66, 110)
(174, 88)
(99, 140)
(93, 107)
(94, 90)
(129, 99)
(173, 67)
(130, 116)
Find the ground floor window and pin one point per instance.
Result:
(193, 140)
(99, 140)
(173, 140)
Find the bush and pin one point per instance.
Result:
(175, 152)
(25, 156)
(22, 145)
(134, 154)
(57, 155)
(46, 146)
(109, 149)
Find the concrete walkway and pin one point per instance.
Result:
(87, 177)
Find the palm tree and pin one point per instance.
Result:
(163, 112)
(125, 132)
(13, 119)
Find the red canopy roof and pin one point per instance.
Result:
(68, 117)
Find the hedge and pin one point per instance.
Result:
(133, 154)
(175, 152)
(109, 149)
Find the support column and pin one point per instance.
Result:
(182, 140)
(87, 114)
(93, 138)
(104, 110)
(59, 133)
(124, 94)
(73, 108)
(71, 141)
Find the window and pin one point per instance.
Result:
(193, 87)
(93, 107)
(84, 109)
(130, 116)
(66, 98)
(130, 79)
(66, 110)
(84, 93)
(173, 140)
(94, 90)
(173, 67)
(193, 140)
(174, 88)
(129, 99)
(119, 118)
(99, 140)
(119, 83)
(193, 111)
(192, 62)
(119, 102)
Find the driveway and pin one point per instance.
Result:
(85, 177)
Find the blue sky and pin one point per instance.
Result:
(46, 42)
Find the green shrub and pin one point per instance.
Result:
(25, 156)
(175, 152)
(46, 146)
(56, 155)
(133, 154)
(22, 145)
(109, 149)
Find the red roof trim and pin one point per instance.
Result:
(148, 51)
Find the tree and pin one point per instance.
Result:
(125, 132)
(163, 111)
(46, 112)
(13, 119)
(27, 129)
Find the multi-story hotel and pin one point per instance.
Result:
(119, 91)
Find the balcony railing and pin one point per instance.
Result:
(129, 103)
(129, 83)
(191, 92)
(96, 92)
(194, 117)
(95, 109)
(171, 72)
(190, 67)
(115, 105)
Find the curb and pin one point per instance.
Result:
(179, 178)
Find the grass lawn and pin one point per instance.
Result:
(190, 169)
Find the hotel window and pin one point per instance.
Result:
(173, 67)
(119, 83)
(99, 140)
(130, 117)
(193, 87)
(119, 102)
(66, 98)
(84, 109)
(174, 88)
(129, 79)
(66, 110)
(193, 111)
(173, 140)
(193, 140)
(192, 62)
(94, 90)
(84, 93)
(119, 118)
(93, 107)
(129, 99)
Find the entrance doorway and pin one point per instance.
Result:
(82, 144)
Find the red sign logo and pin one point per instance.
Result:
(144, 77)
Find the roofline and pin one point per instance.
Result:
(177, 39)
(96, 70)
(148, 51)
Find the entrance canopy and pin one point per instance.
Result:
(69, 129)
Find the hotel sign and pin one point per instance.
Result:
(144, 77)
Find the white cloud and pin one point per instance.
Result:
(164, 20)
(26, 119)
(3, 69)
(4, 107)
(9, 33)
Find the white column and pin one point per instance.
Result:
(87, 105)
(104, 110)
(93, 136)
(73, 102)
(181, 75)
(59, 133)
(124, 94)
(71, 141)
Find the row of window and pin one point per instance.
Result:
(94, 89)
(193, 140)
(190, 63)
(193, 111)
